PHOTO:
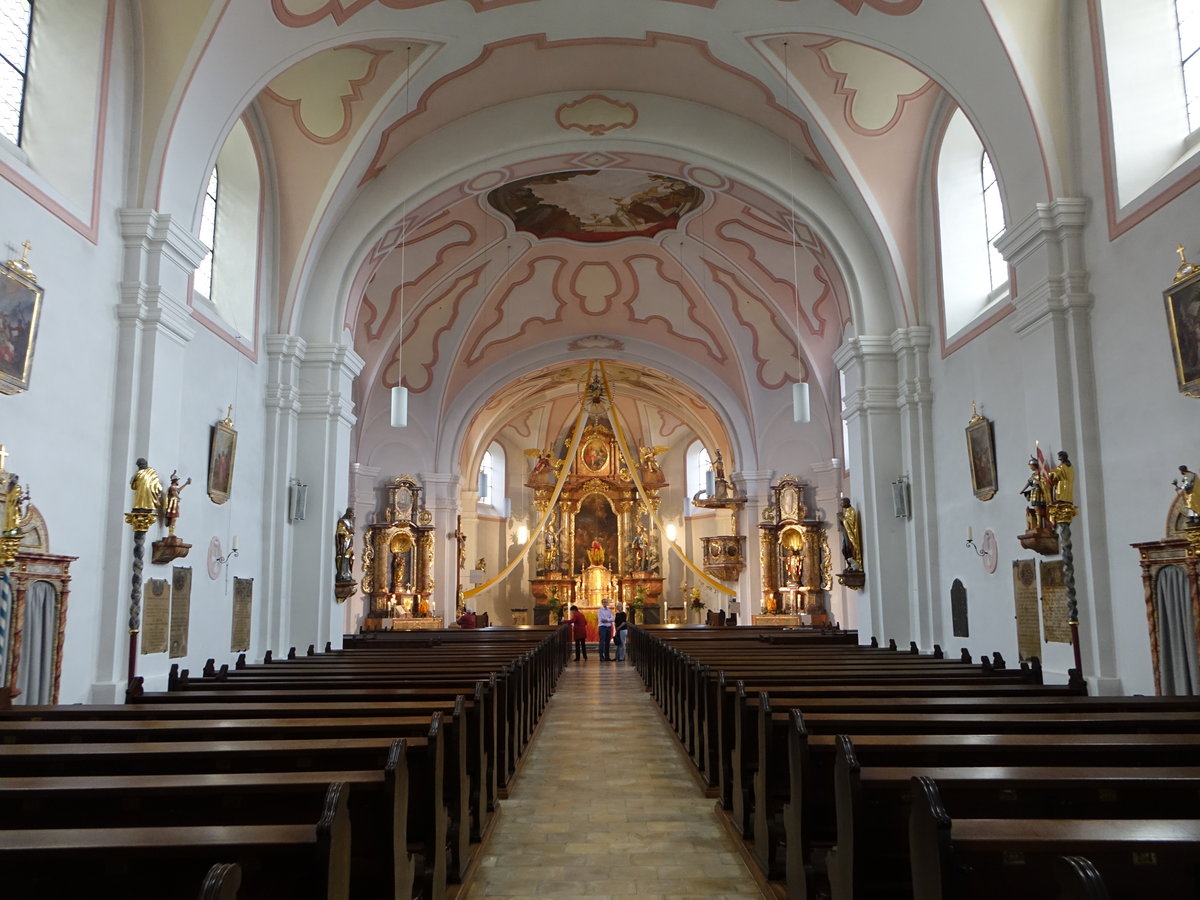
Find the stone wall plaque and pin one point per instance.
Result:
(1025, 599)
(243, 602)
(958, 609)
(181, 610)
(156, 612)
(1054, 603)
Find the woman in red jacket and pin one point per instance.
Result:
(579, 631)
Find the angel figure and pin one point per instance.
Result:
(544, 458)
(649, 458)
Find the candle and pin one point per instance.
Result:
(234, 545)
(969, 534)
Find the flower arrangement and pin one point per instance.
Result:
(695, 602)
(639, 599)
(555, 605)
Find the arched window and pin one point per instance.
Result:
(1151, 88)
(699, 471)
(16, 26)
(225, 285)
(1187, 23)
(970, 215)
(491, 478)
(202, 283)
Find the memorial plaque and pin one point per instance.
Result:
(243, 598)
(181, 610)
(1025, 598)
(958, 609)
(1054, 603)
(156, 612)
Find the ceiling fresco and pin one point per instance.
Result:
(596, 206)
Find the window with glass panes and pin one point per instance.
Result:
(16, 19)
(202, 283)
(993, 221)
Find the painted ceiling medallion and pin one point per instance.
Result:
(596, 342)
(887, 7)
(596, 206)
(596, 114)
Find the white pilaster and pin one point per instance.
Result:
(284, 358)
(872, 414)
(915, 401)
(154, 331)
(325, 419)
(1053, 322)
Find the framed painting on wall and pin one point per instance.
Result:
(221, 451)
(981, 450)
(1183, 325)
(20, 309)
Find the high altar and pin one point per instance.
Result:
(797, 572)
(397, 561)
(599, 540)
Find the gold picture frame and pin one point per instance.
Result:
(20, 310)
(981, 452)
(222, 449)
(1182, 301)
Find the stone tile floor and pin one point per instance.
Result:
(604, 805)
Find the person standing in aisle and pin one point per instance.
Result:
(605, 620)
(620, 631)
(579, 632)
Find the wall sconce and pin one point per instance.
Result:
(233, 551)
(986, 552)
(972, 545)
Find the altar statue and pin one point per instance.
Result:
(343, 540)
(595, 553)
(1185, 486)
(1062, 480)
(170, 502)
(16, 506)
(795, 567)
(851, 535)
(146, 487)
(1036, 493)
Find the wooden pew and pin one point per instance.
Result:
(479, 755)
(427, 822)
(482, 728)
(770, 775)
(809, 817)
(870, 860)
(988, 859)
(455, 777)
(381, 864)
(149, 863)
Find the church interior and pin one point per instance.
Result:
(779, 311)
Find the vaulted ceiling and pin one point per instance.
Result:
(486, 194)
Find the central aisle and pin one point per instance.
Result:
(604, 805)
